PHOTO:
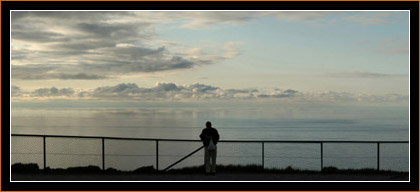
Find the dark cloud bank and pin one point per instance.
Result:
(88, 45)
(197, 91)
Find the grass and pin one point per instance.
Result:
(34, 169)
(288, 170)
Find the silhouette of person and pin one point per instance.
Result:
(208, 135)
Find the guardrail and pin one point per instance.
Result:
(262, 142)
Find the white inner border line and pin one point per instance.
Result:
(409, 98)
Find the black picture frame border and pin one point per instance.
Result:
(6, 185)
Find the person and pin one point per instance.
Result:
(210, 151)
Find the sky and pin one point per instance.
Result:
(304, 57)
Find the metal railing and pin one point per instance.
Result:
(157, 141)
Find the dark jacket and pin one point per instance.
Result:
(212, 132)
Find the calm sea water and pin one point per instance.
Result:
(339, 123)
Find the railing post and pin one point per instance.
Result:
(262, 154)
(45, 153)
(322, 155)
(378, 155)
(157, 155)
(103, 153)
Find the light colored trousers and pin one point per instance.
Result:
(210, 160)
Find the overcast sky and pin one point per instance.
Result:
(290, 56)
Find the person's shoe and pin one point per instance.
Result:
(213, 173)
(208, 173)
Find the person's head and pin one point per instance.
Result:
(208, 124)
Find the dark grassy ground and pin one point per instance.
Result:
(31, 172)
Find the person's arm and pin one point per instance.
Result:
(217, 137)
(202, 135)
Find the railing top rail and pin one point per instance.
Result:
(192, 140)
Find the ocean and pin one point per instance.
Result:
(347, 123)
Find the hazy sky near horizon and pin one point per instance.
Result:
(298, 56)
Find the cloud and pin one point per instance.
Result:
(192, 19)
(52, 92)
(377, 18)
(159, 91)
(109, 44)
(230, 50)
(79, 76)
(16, 91)
(179, 92)
(238, 93)
(391, 46)
(201, 88)
(202, 19)
(38, 36)
(64, 45)
(53, 71)
(353, 98)
(101, 30)
(280, 94)
(201, 92)
(205, 19)
(119, 62)
(70, 15)
(167, 87)
(222, 52)
(369, 75)
(124, 66)
(290, 91)
(234, 91)
(120, 90)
